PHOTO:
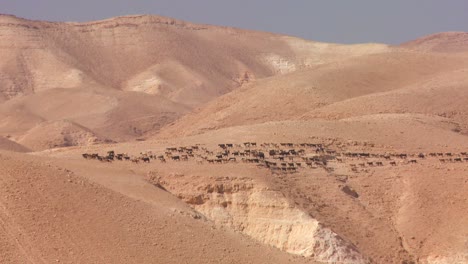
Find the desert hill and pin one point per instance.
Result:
(6, 144)
(388, 83)
(51, 214)
(128, 76)
(63, 217)
(269, 206)
(156, 140)
(49, 135)
(452, 42)
(407, 100)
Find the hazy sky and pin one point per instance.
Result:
(342, 21)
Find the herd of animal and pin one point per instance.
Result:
(283, 157)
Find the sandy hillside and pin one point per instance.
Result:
(6, 144)
(387, 83)
(51, 214)
(279, 208)
(452, 42)
(155, 140)
(410, 100)
(129, 76)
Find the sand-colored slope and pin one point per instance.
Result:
(309, 238)
(135, 115)
(76, 84)
(443, 95)
(448, 42)
(6, 144)
(398, 102)
(432, 213)
(56, 134)
(395, 131)
(50, 214)
(355, 80)
(129, 76)
(391, 199)
(149, 54)
(115, 115)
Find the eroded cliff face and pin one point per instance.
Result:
(266, 215)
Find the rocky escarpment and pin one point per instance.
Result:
(264, 214)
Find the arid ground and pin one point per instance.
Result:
(146, 139)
